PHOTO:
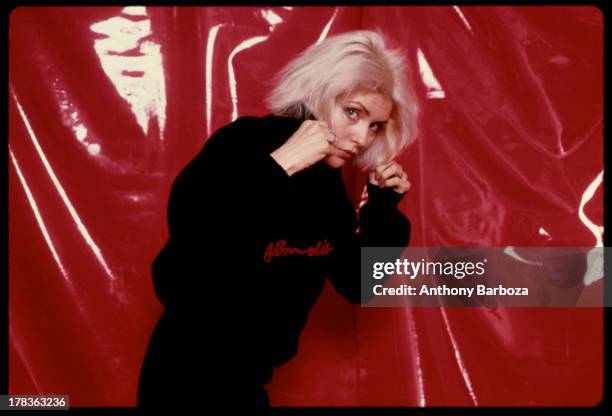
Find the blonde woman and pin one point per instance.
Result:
(260, 218)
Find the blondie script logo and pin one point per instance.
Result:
(322, 248)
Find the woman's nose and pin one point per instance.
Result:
(359, 135)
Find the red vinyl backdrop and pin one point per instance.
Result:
(108, 104)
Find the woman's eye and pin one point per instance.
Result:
(351, 112)
(375, 127)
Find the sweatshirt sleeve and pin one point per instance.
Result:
(208, 206)
(381, 224)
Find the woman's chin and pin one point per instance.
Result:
(334, 161)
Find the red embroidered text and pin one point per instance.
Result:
(322, 248)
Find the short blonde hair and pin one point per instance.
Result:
(309, 85)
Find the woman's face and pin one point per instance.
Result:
(357, 119)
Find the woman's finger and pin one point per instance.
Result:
(398, 184)
(380, 169)
(393, 169)
(391, 182)
(372, 178)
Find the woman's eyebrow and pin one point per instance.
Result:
(362, 106)
(366, 110)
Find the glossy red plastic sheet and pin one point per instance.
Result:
(107, 104)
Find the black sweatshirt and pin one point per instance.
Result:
(250, 246)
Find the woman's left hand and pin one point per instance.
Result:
(390, 175)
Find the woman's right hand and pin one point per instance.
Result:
(308, 145)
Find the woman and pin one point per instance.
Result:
(260, 217)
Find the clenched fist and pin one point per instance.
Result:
(390, 175)
(311, 142)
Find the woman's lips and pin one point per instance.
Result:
(345, 154)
